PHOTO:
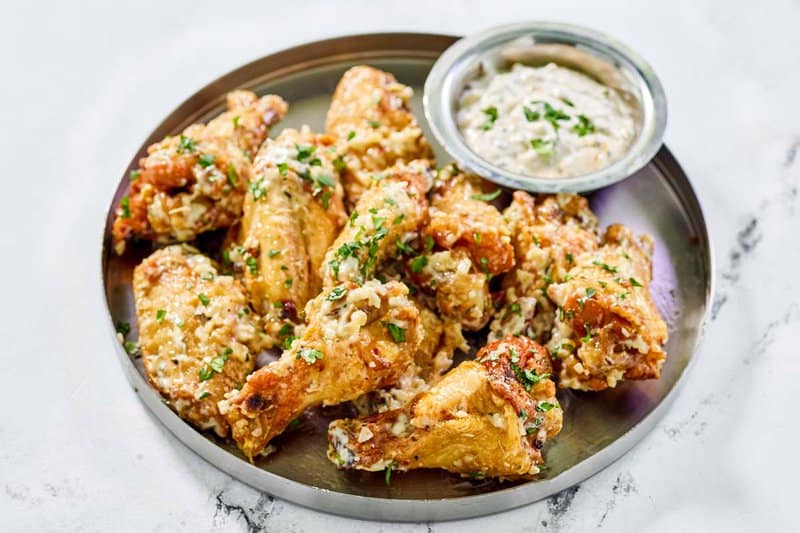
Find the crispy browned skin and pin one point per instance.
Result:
(387, 216)
(196, 181)
(490, 417)
(370, 117)
(197, 335)
(460, 220)
(608, 328)
(352, 345)
(549, 232)
(292, 213)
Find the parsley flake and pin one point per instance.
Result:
(488, 197)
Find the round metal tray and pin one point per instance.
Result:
(598, 427)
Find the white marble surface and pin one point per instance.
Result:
(83, 85)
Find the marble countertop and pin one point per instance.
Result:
(85, 84)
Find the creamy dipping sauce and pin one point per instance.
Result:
(548, 121)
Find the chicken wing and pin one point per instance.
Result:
(196, 182)
(549, 232)
(358, 339)
(370, 117)
(292, 214)
(489, 417)
(607, 327)
(197, 334)
(387, 216)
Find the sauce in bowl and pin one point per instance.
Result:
(548, 121)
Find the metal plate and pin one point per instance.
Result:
(598, 427)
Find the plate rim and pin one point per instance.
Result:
(397, 509)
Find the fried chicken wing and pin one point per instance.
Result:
(292, 213)
(488, 417)
(548, 233)
(197, 334)
(387, 216)
(358, 339)
(370, 116)
(196, 182)
(608, 328)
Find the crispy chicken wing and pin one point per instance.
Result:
(549, 232)
(489, 417)
(358, 339)
(370, 116)
(387, 216)
(608, 328)
(292, 213)
(196, 181)
(197, 334)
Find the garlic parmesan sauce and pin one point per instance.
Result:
(549, 121)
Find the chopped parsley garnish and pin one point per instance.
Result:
(387, 476)
(125, 205)
(325, 181)
(485, 264)
(309, 355)
(293, 424)
(186, 145)
(623, 295)
(123, 328)
(398, 334)
(569, 257)
(203, 395)
(339, 163)
(530, 114)
(131, 347)
(236, 121)
(584, 126)
(160, 314)
(586, 338)
(522, 414)
(243, 311)
(258, 190)
(351, 135)
(403, 247)
(553, 115)
(205, 373)
(206, 160)
(288, 283)
(543, 407)
(207, 276)
(418, 263)
(606, 267)
(286, 329)
(273, 253)
(543, 146)
(287, 342)
(203, 299)
(218, 362)
(491, 114)
(514, 308)
(282, 168)
(233, 177)
(353, 217)
(428, 243)
(590, 291)
(567, 101)
(337, 294)
(634, 282)
(477, 237)
(304, 152)
(316, 162)
(374, 123)
(399, 219)
(334, 264)
(252, 264)
(389, 201)
(134, 175)
(488, 197)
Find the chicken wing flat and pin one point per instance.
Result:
(387, 216)
(292, 213)
(489, 417)
(196, 181)
(549, 233)
(370, 117)
(197, 334)
(607, 327)
(358, 339)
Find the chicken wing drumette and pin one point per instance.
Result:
(292, 213)
(370, 116)
(358, 339)
(488, 417)
(196, 181)
(549, 232)
(607, 327)
(197, 335)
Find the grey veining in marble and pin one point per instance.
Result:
(83, 85)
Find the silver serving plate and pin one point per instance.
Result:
(598, 428)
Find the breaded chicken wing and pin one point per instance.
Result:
(387, 216)
(197, 335)
(358, 339)
(292, 213)
(489, 417)
(370, 117)
(548, 233)
(196, 181)
(607, 327)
